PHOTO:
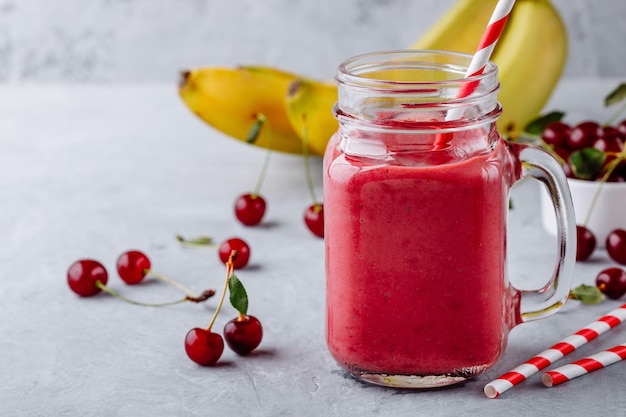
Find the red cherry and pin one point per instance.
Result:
(612, 282)
(567, 170)
(203, 347)
(240, 246)
(314, 219)
(556, 134)
(610, 141)
(132, 266)
(621, 128)
(616, 178)
(611, 132)
(243, 334)
(249, 209)
(585, 243)
(616, 245)
(83, 276)
(620, 171)
(584, 134)
(564, 154)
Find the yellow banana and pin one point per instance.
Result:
(460, 29)
(530, 54)
(231, 100)
(309, 109)
(531, 57)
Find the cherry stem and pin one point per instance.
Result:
(201, 242)
(115, 294)
(171, 282)
(305, 154)
(615, 115)
(538, 139)
(263, 120)
(229, 271)
(614, 163)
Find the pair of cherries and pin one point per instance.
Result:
(242, 334)
(88, 277)
(610, 281)
(615, 244)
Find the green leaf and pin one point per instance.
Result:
(615, 96)
(538, 125)
(587, 294)
(238, 295)
(587, 163)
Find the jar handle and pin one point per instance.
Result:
(538, 164)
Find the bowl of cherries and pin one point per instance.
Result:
(593, 159)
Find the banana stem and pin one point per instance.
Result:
(264, 121)
(305, 154)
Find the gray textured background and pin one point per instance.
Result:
(128, 41)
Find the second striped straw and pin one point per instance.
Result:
(584, 366)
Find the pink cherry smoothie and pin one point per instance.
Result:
(415, 247)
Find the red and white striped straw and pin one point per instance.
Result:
(556, 352)
(487, 44)
(479, 61)
(584, 366)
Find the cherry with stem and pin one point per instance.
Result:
(314, 214)
(616, 245)
(612, 282)
(203, 346)
(242, 334)
(133, 266)
(250, 208)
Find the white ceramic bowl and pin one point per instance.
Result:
(609, 212)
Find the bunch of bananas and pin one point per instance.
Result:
(530, 55)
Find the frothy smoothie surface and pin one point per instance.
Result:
(416, 261)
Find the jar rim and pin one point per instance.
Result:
(352, 72)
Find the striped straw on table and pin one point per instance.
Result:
(556, 352)
(584, 366)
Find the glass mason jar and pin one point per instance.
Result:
(416, 192)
